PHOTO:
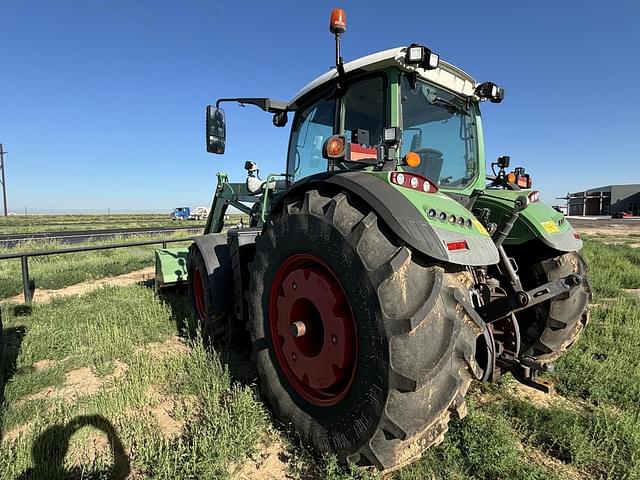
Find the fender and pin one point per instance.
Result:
(215, 252)
(404, 218)
(537, 221)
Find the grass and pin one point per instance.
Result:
(58, 223)
(219, 422)
(590, 430)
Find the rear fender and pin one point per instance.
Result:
(404, 211)
(537, 221)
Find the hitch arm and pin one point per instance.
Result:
(517, 301)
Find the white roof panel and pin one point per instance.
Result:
(446, 75)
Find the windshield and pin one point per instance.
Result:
(438, 126)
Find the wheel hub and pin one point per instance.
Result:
(313, 329)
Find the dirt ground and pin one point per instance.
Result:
(611, 227)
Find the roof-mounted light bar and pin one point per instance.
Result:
(490, 91)
(422, 57)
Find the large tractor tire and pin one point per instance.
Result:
(211, 291)
(360, 344)
(552, 327)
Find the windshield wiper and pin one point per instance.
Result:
(448, 103)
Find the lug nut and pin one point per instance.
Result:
(294, 285)
(294, 356)
(334, 339)
(298, 329)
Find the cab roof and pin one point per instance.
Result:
(446, 75)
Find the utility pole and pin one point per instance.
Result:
(4, 183)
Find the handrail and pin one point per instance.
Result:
(23, 256)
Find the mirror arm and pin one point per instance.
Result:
(265, 104)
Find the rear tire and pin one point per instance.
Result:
(550, 328)
(410, 358)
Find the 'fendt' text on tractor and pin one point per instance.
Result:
(385, 270)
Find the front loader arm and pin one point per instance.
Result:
(226, 194)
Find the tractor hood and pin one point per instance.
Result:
(409, 214)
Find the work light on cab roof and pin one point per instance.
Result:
(422, 57)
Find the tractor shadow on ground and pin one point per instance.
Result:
(50, 448)
(237, 357)
(10, 344)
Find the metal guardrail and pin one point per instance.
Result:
(27, 285)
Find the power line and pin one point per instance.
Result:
(4, 183)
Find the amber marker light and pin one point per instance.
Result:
(412, 159)
(338, 21)
(334, 147)
(511, 178)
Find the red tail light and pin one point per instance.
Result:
(459, 245)
(413, 181)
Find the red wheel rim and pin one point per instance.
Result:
(198, 294)
(313, 330)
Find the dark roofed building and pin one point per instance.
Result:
(606, 200)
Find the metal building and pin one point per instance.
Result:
(605, 200)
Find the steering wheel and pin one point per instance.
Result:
(431, 162)
(429, 152)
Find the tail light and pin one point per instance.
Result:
(458, 245)
(413, 181)
(534, 196)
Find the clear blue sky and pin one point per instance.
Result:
(101, 101)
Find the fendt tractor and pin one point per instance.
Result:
(385, 270)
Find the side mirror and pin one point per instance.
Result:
(216, 130)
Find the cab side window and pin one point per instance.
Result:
(312, 126)
(364, 110)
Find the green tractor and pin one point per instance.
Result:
(385, 270)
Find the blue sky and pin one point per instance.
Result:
(102, 101)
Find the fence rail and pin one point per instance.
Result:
(27, 285)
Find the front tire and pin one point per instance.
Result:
(400, 345)
(211, 294)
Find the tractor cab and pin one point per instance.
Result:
(401, 110)
(390, 114)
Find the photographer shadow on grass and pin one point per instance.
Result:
(50, 448)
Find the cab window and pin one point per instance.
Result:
(364, 110)
(312, 126)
